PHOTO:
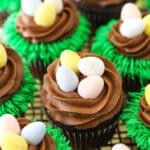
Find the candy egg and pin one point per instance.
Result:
(3, 56)
(58, 4)
(91, 87)
(34, 132)
(91, 66)
(8, 124)
(11, 141)
(70, 59)
(146, 20)
(45, 14)
(120, 146)
(147, 94)
(29, 7)
(130, 11)
(132, 28)
(66, 79)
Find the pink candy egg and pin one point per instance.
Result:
(130, 11)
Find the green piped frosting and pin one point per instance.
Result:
(17, 104)
(46, 52)
(127, 66)
(10, 5)
(60, 140)
(135, 128)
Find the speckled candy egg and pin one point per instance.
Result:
(130, 11)
(8, 123)
(132, 28)
(34, 132)
(91, 87)
(11, 141)
(70, 59)
(120, 146)
(58, 4)
(29, 7)
(91, 66)
(45, 14)
(66, 79)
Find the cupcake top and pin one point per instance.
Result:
(136, 117)
(145, 107)
(16, 83)
(99, 2)
(46, 21)
(19, 134)
(131, 34)
(11, 74)
(82, 92)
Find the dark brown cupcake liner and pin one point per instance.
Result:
(88, 139)
(100, 15)
(38, 69)
(131, 85)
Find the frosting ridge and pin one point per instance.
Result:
(136, 47)
(64, 25)
(11, 76)
(71, 109)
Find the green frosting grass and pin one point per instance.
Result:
(127, 66)
(60, 140)
(17, 104)
(135, 128)
(46, 52)
(10, 5)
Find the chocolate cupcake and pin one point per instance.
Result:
(27, 135)
(88, 112)
(17, 87)
(136, 117)
(42, 34)
(126, 43)
(100, 11)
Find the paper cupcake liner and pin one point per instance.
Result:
(100, 15)
(89, 138)
(38, 69)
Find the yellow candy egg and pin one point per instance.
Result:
(147, 94)
(3, 56)
(11, 141)
(70, 59)
(45, 14)
(146, 20)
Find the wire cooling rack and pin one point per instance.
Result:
(120, 136)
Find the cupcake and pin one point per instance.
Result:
(83, 96)
(126, 42)
(136, 117)
(100, 11)
(43, 29)
(16, 84)
(24, 134)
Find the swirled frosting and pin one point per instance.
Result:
(11, 76)
(63, 26)
(138, 47)
(144, 112)
(46, 144)
(71, 109)
(99, 2)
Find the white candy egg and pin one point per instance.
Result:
(132, 28)
(120, 146)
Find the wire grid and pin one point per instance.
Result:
(120, 135)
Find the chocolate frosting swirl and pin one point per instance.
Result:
(11, 76)
(144, 113)
(99, 2)
(71, 109)
(64, 25)
(46, 144)
(138, 46)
